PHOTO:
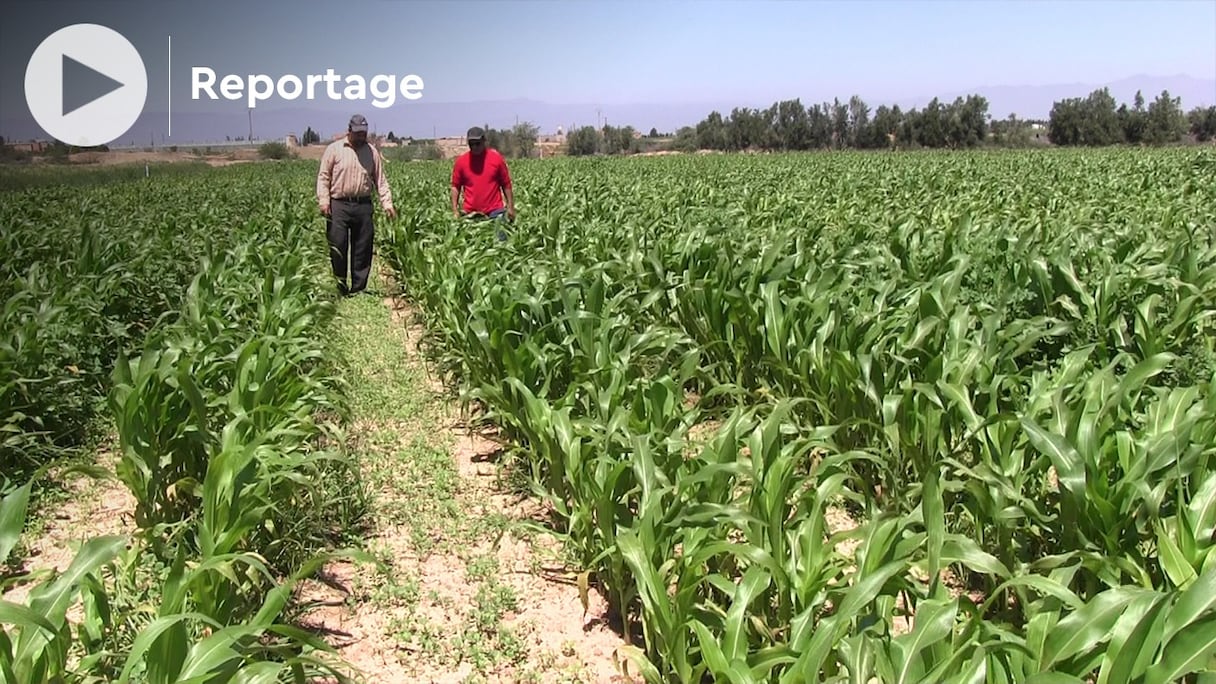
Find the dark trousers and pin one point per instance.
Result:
(351, 233)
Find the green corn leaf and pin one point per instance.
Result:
(1189, 651)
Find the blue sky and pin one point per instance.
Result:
(663, 52)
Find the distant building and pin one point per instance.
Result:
(292, 140)
(32, 146)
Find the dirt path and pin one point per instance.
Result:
(465, 593)
(84, 508)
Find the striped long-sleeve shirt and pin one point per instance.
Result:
(349, 172)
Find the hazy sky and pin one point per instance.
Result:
(615, 51)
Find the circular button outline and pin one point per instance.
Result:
(107, 117)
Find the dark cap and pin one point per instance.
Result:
(358, 123)
(475, 133)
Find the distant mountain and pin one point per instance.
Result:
(415, 119)
(424, 119)
(1035, 102)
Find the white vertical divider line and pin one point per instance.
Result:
(170, 85)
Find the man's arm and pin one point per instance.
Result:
(456, 181)
(323, 176)
(505, 181)
(382, 187)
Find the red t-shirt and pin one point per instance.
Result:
(481, 177)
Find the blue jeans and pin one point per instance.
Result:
(499, 215)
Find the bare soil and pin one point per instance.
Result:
(219, 156)
(93, 508)
(164, 156)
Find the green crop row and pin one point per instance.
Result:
(208, 338)
(87, 272)
(997, 365)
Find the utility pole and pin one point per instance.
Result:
(250, 124)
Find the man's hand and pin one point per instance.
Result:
(391, 211)
(511, 213)
(325, 209)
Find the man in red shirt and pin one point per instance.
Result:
(482, 176)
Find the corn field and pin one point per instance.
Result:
(997, 366)
(800, 418)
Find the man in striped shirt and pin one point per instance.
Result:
(351, 169)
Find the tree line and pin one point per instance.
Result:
(964, 123)
(517, 141)
(789, 125)
(1096, 120)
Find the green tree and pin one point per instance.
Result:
(885, 127)
(859, 122)
(1166, 123)
(932, 129)
(1093, 121)
(820, 124)
(618, 140)
(1134, 120)
(711, 133)
(524, 136)
(685, 140)
(767, 136)
(494, 138)
(740, 132)
(274, 149)
(1100, 125)
(1011, 132)
(909, 128)
(972, 118)
(840, 123)
(793, 129)
(1202, 122)
(583, 142)
(1064, 122)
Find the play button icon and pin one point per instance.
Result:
(82, 85)
(86, 84)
